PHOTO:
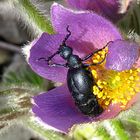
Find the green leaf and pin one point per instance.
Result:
(15, 108)
(29, 16)
(125, 126)
(15, 102)
(24, 75)
(44, 132)
(131, 21)
(90, 132)
(18, 73)
(36, 16)
(116, 129)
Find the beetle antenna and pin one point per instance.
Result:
(67, 36)
(49, 58)
(42, 58)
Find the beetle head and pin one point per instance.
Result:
(65, 52)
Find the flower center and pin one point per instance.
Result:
(113, 86)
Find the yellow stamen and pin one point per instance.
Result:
(113, 86)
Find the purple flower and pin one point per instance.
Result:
(89, 32)
(108, 8)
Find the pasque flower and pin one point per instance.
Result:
(110, 9)
(117, 76)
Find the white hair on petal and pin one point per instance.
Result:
(74, 11)
(26, 50)
(37, 121)
(27, 47)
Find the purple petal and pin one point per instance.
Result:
(45, 46)
(122, 55)
(57, 109)
(112, 111)
(88, 30)
(108, 8)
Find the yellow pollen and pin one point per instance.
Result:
(131, 89)
(100, 94)
(117, 78)
(94, 73)
(107, 103)
(128, 81)
(129, 98)
(131, 78)
(96, 90)
(113, 86)
(130, 71)
(95, 61)
(138, 69)
(98, 57)
(104, 97)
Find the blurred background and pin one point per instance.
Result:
(16, 77)
(14, 70)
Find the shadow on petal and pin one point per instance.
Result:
(84, 26)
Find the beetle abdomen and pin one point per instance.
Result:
(80, 83)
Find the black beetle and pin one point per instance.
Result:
(79, 78)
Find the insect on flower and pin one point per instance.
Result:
(117, 76)
(79, 78)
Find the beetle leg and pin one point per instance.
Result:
(59, 65)
(94, 64)
(90, 55)
(67, 36)
(49, 62)
(49, 58)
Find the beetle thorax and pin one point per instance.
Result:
(74, 61)
(66, 53)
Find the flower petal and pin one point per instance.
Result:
(122, 55)
(56, 109)
(89, 30)
(137, 64)
(108, 8)
(45, 46)
(112, 111)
